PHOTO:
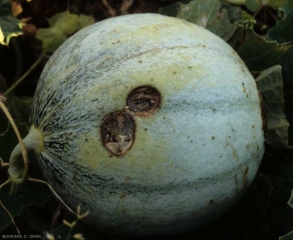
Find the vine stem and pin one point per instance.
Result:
(6, 210)
(5, 183)
(23, 149)
(24, 154)
(14, 85)
(53, 191)
(110, 10)
(3, 164)
(77, 213)
(12, 220)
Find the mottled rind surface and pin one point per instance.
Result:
(190, 161)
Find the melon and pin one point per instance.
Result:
(151, 123)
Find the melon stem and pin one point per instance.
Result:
(17, 167)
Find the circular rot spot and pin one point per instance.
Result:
(118, 132)
(144, 101)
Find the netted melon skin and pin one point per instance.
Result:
(190, 161)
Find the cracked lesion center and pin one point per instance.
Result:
(144, 101)
(118, 132)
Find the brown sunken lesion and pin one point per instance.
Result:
(118, 132)
(118, 128)
(144, 101)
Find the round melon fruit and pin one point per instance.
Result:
(151, 123)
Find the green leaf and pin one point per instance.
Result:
(278, 169)
(283, 32)
(288, 236)
(247, 21)
(9, 26)
(29, 194)
(260, 54)
(270, 84)
(205, 13)
(19, 107)
(239, 2)
(291, 199)
(287, 70)
(287, 6)
(253, 5)
(234, 13)
(62, 25)
(277, 3)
